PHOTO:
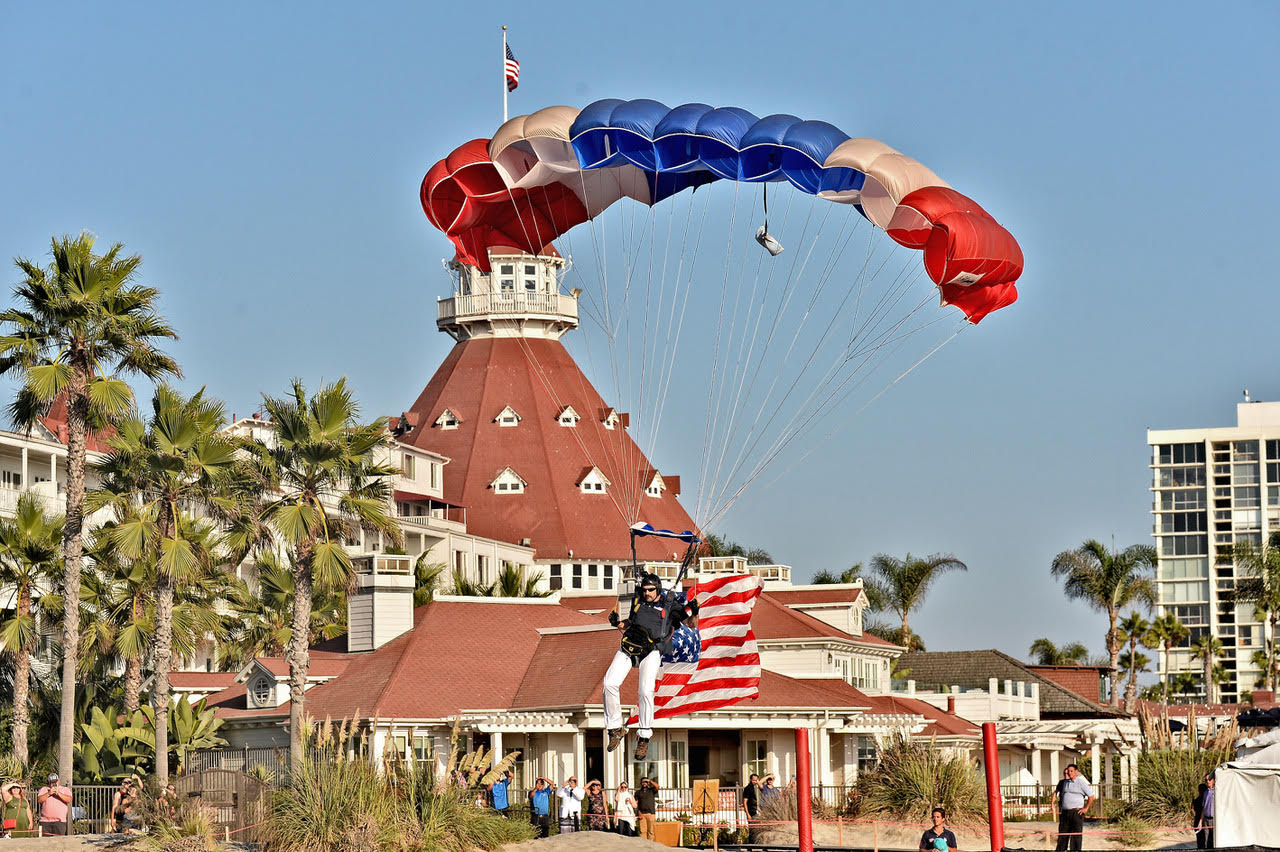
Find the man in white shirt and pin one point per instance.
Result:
(1076, 796)
(570, 795)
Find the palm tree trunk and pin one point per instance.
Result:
(22, 686)
(1208, 676)
(1164, 682)
(1131, 689)
(298, 658)
(1113, 648)
(72, 551)
(132, 683)
(163, 662)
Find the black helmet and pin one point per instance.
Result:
(651, 580)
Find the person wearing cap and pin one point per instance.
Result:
(15, 811)
(570, 795)
(54, 802)
(540, 805)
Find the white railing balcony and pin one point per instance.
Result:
(383, 563)
(483, 305)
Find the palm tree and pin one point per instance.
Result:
(1183, 683)
(1133, 663)
(1107, 581)
(159, 471)
(76, 326)
(325, 485)
(29, 557)
(1258, 583)
(1048, 654)
(902, 585)
(1166, 631)
(1207, 649)
(1132, 628)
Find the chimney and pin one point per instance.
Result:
(951, 704)
(381, 607)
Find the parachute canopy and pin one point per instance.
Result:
(543, 173)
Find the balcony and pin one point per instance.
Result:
(487, 306)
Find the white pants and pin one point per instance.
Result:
(613, 679)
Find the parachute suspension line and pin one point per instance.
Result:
(842, 424)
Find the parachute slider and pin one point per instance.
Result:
(770, 244)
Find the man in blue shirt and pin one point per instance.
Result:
(939, 832)
(498, 791)
(1204, 812)
(540, 806)
(1075, 797)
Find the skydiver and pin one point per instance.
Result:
(646, 636)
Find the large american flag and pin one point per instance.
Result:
(512, 69)
(728, 669)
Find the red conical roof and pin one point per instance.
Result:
(537, 379)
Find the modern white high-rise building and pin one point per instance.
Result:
(1212, 488)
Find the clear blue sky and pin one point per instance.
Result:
(264, 160)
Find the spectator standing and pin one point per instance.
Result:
(596, 807)
(624, 810)
(570, 796)
(647, 808)
(498, 792)
(54, 802)
(751, 798)
(540, 806)
(18, 819)
(768, 791)
(1075, 798)
(938, 832)
(1204, 811)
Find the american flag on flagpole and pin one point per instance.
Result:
(728, 668)
(512, 69)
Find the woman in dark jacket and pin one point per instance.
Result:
(595, 807)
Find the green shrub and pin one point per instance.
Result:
(1168, 781)
(912, 778)
(1132, 831)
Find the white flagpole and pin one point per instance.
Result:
(504, 74)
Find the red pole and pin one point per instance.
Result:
(804, 800)
(995, 808)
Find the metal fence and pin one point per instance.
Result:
(270, 763)
(1036, 801)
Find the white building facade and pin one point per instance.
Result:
(1213, 488)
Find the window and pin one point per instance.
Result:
(1244, 451)
(507, 269)
(1183, 592)
(607, 580)
(435, 475)
(868, 754)
(447, 420)
(1176, 522)
(507, 417)
(531, 285)
(757, 757)
(1180, 454)
(12, 479)
(556, 579)
(261, 691)
(1245, 474)
(1184, 569)
(1179, 477)
(679, 764)
(408, 466)
(656, 486)
(508, 482)
(576, 582)
(593, 482)
(507, 287)
(1273, 450)
(1184, 545)
(568, 417)
(421, 748)
(1193, 498)
(1248, 497)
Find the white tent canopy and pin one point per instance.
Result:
(1247, 803)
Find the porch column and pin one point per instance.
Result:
(53, 473)
(1055, 771)
(580, 756)
(1110, 786)
(1036, 765)
(1124, 774)
(1133, 767)
(822, 754)
(495, 741)
(1095, 758)
(26, 481)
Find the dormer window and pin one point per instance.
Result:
(568, 417)
(592, 481)
(448, 420)
(611, 419)
(260, 691)
(507, 417)
(655, 487)
(508, 482)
